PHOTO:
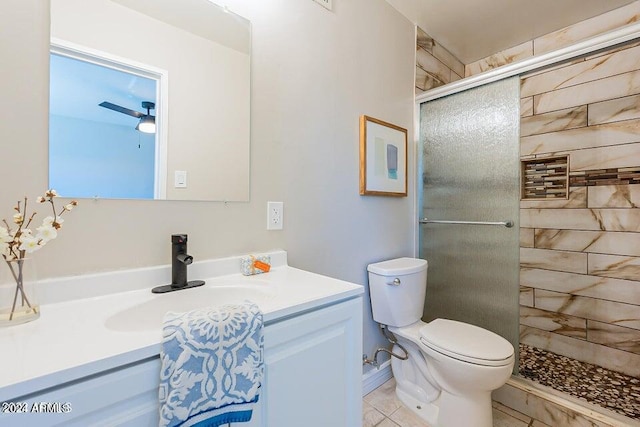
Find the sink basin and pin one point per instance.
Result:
(148, 315)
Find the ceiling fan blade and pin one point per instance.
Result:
(120, 109)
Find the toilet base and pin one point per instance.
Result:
(470, 410)
(426, 411)
(451, 411)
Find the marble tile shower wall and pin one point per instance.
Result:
(435, 65)
(580, 257)
(556, 40)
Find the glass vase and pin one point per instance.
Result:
(18, 299)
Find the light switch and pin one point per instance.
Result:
(180, 179)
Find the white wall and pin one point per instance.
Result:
(314, 72)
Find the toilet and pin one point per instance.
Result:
(452, 367)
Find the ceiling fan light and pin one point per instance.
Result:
(147, 124)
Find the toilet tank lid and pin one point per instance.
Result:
(398, 266)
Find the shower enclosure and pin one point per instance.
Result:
(556, 153)
(470, 193)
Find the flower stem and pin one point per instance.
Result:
(15, 295)
(53, 209)
(19, 278)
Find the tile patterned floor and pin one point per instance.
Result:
(381, 408)
(609, 389)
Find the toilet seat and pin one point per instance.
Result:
(466, 342)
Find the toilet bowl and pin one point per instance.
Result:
(452, 367)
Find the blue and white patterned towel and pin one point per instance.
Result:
(212, 366)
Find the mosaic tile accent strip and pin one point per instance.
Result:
(609, 389)
(545, 178)
(612, 176)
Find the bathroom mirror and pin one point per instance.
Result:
(181, 65)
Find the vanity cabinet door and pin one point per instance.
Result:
(313, 370)
(127, 396)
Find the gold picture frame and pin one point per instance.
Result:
(383, 158)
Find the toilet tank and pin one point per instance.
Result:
(397, 288)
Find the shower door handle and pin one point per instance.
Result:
(508, 223)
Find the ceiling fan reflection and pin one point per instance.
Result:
(147, 123)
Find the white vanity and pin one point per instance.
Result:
(94, 361)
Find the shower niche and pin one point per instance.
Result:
(545, 178)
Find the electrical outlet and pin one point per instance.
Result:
(275, 216)
(326, 3)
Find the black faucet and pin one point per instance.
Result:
(179, 262)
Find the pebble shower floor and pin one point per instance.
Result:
(597, 385)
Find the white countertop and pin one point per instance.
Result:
(76, 338)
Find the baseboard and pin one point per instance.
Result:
(375, 377)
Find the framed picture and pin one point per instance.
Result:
(383, 158)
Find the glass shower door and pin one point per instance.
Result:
(470, 170)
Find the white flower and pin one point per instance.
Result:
(25, 233)
(18, 218)
(15, 242)
(46, 232)
(5, 237)
(29, 244)
(58, 220)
